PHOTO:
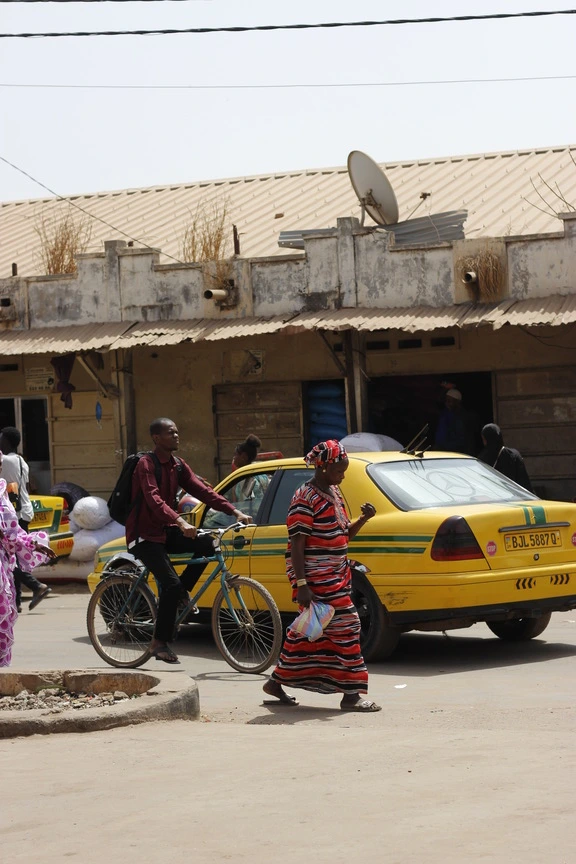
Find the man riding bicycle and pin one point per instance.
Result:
(154, 529)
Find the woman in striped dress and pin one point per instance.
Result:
(318, 568)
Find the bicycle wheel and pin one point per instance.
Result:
(246, 625)
(121, 620)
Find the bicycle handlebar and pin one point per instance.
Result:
(235, 526)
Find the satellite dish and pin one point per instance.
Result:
(373, 189)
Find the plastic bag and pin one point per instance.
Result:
(312, 621)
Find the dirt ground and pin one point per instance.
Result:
(471, 760)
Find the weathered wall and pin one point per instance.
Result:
(193, 370)
(354, 267)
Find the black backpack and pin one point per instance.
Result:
(120, 503)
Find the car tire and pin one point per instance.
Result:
(520, 630)
(378, 637)
(71, 492)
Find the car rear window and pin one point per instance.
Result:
(420, 483)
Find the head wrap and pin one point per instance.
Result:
(494, 443)
(326, 452)
(454, 394)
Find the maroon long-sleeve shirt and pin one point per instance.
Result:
(149, 518)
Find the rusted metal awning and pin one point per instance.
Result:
(159, 333)
(552, 311)
(62, 340)
(546, 311)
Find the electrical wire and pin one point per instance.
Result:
(270, 27)
(86, 212)
(289, 86)
(542, 339)
(103, 1)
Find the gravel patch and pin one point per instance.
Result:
(54, 700)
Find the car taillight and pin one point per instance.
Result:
(65, 518)
(454, 541)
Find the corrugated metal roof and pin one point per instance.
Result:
(202, 330)
(552, 311)
(61, 340)
(497, 189)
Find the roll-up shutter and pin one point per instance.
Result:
(536, 410)
(272, 411)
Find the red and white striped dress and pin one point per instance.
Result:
(333, 663)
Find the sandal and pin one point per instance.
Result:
(280, 698)
(165, 654)
(364, 706)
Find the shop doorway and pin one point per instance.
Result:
(30, 416)
(400, 405)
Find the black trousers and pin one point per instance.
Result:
(156, 558)
(21, 577)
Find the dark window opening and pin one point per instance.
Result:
(442, 341)
(5, 301)
(382, 345)
(8, 367)
(409, 343)
(400, 405)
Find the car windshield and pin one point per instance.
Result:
(420, 483)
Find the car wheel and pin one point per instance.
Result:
(71, 492)
(378, 638)
(520, 630)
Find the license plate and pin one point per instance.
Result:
(532, 540)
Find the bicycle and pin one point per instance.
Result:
(246, 623)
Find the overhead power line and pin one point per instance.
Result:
(82, 210)
(271, 27)
(306, 86)
(102, 1)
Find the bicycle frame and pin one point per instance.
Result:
(220, 570)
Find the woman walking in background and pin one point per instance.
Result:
(318, 568)
(505, 459)
(16, 548)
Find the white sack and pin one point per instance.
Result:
(74, 526)
(87, 542)
(91, 512)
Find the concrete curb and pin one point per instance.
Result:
(165, 696)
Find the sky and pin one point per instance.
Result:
(84, 139)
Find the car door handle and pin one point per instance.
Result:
(240, 542)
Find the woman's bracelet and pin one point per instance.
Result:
(301, 582)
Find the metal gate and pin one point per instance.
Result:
(273, 412)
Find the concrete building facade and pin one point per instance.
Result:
(224, 355)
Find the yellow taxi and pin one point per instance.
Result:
(51, 516)
(453, 543)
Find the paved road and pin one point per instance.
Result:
(471, 760)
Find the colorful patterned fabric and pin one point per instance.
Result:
(326, 452)
(333, 663)
(16, 547)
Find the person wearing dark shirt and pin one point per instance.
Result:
(154, 529)
(505, 459)
(454, 431)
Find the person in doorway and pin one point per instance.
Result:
(505, 459)
(454, 431)
(17, 549)
(154, 529)
(16, 473)
(318, 568)
(246, 452)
